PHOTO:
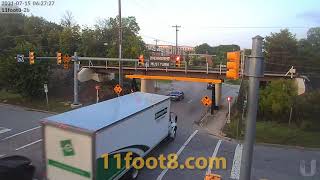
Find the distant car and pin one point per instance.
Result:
(209, 86)
(176, 95)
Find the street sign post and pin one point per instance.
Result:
(229, 99)
(45, 87)
(97, 90)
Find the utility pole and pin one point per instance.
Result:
(156, 40)
(254, 72)
(177, 29)
(120, 46)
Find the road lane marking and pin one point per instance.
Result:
(214, 154)
(9, 137)
(236, 164)
(190, 101)
(4, 130)
(2, 155)
(27, 145)
(178, 153)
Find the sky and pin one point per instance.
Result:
(214, 22)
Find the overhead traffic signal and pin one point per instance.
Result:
(141, 60)
(31, 57)
(233, 64)
(66, 60)
(59, 58)
(178, 61)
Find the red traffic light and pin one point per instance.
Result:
(141, 60)
(229, 99)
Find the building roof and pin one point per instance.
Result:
(100, 115)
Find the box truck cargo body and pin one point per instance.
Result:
(76, 142)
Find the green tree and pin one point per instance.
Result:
(203, 49)
(280, 48)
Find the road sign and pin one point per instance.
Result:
(20, 58)
(98, 87)
(206, 101)
(212, 177)
(45, 87)
(117, 89)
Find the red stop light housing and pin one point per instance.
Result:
(141, 60)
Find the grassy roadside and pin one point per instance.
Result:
(164, 81)
(275, 133)
(55, 105)
(232, 82)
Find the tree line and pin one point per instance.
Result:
(19, 34)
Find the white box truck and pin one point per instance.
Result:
(76, 142)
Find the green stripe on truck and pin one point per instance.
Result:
(69, 168)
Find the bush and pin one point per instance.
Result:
(23, 78)
(276, 100)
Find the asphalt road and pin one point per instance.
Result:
(20, 134)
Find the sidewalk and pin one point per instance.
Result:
(214, 124)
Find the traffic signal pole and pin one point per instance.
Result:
(120, 46)
(75, 81)
(254, 72)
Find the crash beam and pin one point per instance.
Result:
(173, 78)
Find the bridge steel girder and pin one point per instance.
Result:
(191, 73)
(174, 78)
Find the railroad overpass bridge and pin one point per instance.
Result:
(201, 73)
(148, 74)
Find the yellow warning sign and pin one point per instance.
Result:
(206, 101)
(117, 89)
(212, 177)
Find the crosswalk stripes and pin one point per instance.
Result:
(4, 130)
(236, 164)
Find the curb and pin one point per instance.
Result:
(200, 121)
(28, 109)
(278, 145)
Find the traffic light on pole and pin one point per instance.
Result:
(233, 64)
(141, 60)
(31, 57)
(178, 61)
(59, 58)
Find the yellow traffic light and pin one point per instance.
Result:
(66, 60)
(233, 64)
(141, 60)
(59, 58)
(178, 61)
(31, 57)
